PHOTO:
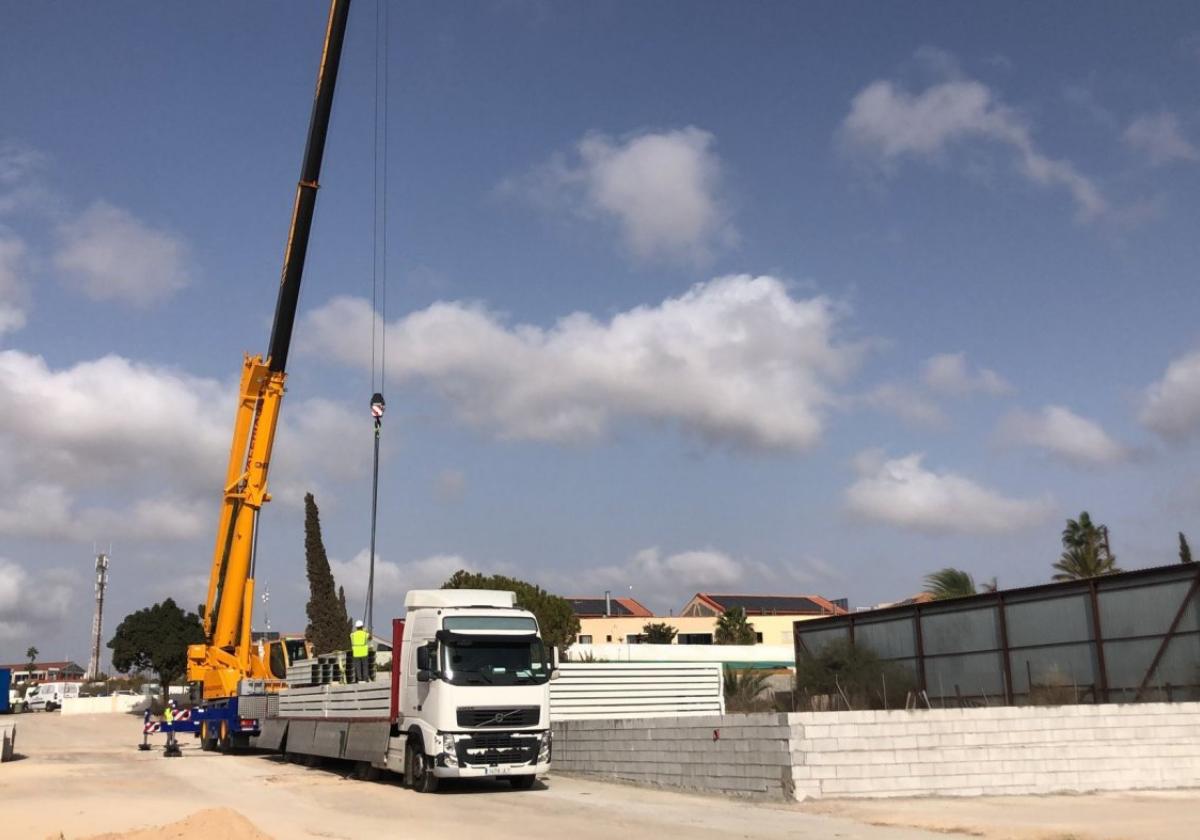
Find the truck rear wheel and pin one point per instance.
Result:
(522, 782)
(417, 771)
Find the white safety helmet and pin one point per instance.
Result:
(358, 623)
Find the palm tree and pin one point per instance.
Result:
(949, 583)
(1086, 552)
(31, 655)
(742, 688)
(734, 629)
(658, 634)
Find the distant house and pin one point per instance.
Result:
(590, 606)
(623, 620)
(65, 671)
(711, 604)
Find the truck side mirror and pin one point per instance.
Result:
(424, 676)
(423, 660)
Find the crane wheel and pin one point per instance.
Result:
(207, 742)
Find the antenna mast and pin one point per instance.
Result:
(93, 672)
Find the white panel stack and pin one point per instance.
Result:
(358, 700)
(612, 690)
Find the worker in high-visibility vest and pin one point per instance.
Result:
(169, 719)
(360, 649)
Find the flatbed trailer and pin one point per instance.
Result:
(422, 720)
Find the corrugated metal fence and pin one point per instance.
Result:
(607, 690)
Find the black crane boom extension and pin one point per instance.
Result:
(306, 191)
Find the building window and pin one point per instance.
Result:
(608, 638)
(584, 640)
(695, 639)
(634, 639)
(758, 638)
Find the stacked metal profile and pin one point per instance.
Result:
(364, 700)
(323, 670)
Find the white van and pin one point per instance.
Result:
(47, 697)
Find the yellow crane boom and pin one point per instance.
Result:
(227, 656)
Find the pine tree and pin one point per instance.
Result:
(327, 619)
(1185, 551)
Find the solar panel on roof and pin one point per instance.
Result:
(768, 603)
(595, 606)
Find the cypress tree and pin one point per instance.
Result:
(345, 612)
(327, 621)
(1185, 551)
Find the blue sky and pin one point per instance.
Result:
(764, 297)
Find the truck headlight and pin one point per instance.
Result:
(544, 748)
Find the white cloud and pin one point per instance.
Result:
(904, 402)
(155, 437)
(736, 360)
(903, 493)
(664, 581)
(31, 602)
(1160, 139)
(111, 255)
(1063, 434)
(888, 124)
(660, 579)
(18, 162)
(14, 291)
(662, 190)
(393, 579)
(948, 373)
(1171, 406)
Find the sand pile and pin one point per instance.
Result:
(222, 823)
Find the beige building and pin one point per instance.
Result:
(771, 615)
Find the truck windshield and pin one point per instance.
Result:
(494, 660)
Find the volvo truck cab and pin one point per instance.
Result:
(474, 698)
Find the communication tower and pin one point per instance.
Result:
(93, 672)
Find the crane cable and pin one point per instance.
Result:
(378, 280)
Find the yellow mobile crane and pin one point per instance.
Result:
(235, 680)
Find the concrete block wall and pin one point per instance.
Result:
(941, 752)
(996, 751)
(743, 755)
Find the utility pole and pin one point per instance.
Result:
(93, 672)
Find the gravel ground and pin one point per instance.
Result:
(81, 776)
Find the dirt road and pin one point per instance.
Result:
(81, 777)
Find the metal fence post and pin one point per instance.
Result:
(1098, 633)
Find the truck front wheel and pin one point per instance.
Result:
(417, 770)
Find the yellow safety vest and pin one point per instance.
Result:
(358, 643)
(168, 715)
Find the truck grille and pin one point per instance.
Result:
(483, 716)
(492, 748)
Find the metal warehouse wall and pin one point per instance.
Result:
(1130, 637)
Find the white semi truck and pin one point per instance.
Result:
(468, 696)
